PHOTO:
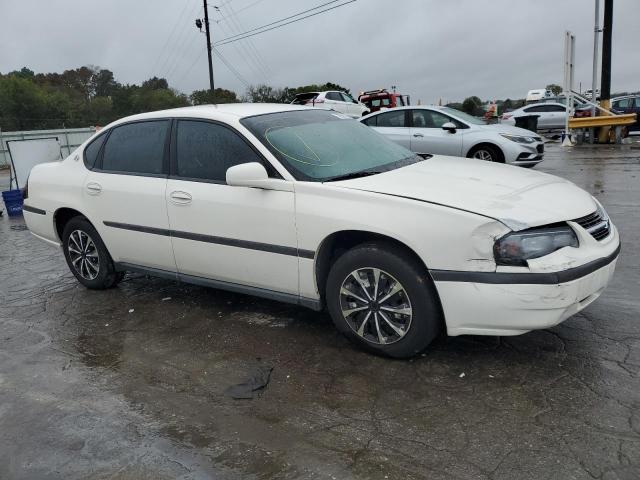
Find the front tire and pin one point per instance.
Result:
(382, 300)
(488, 153)
(87, 256)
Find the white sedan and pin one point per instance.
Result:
(446, 131)
(551, 115)
(309, 207)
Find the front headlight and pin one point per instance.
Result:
(516, 248)
(519, 138)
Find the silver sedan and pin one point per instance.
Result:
(446, 131)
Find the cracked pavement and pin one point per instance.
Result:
(89, 389)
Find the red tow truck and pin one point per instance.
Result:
(381, 98)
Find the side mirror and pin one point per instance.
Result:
(450, 126)
(254, 175)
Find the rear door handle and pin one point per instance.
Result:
(418, 135)
(94, 188)
(181, 198)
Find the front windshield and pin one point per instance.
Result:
(465, 117)
(321, 145)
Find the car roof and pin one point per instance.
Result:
(226, 111)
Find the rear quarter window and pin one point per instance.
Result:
(92, 151)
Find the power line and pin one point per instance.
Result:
(166, 44)
(250, 47)
(281, 20)
(224, 18)
(188, 70)
(230, 67)
(247, 34)
(176, 55)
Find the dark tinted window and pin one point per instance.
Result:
(334, 96)
(432, 119)
(555, 108)
(136, 148)
(371, 122)
(206, 150)
(391, 119)
(537, 108)
(92, 150)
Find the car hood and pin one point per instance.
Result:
(520, 198)
(511, 130)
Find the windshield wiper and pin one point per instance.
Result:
(348, 176)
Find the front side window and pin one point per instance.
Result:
(537, 108)
(392, 119)
(319, 145)
(136, 148)
(346, 97)
(206, 150)
(432, 119)
(556, 108)
(333, 96)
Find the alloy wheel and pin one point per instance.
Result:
(483, 155)
(83, 255)
(375, 305)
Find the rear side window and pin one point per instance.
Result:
(92, 150)
(206, 150)
(136, 148)
(371, 122)
(392, 119)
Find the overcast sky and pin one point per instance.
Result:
(430, 49)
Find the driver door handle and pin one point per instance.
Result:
(418, 135)
(94, 188)
(180, 198)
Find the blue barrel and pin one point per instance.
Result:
(13, 201)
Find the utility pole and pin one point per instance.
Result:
(596, 44)
(208, 33)
(605, 78)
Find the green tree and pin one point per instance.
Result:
(265, 94)
(219, 95)
(555, 89)
(472, 106)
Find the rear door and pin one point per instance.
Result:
(236, 235)
(124, 194)
(427, 135)
(557, 115)
(334, 100)
(394, 125)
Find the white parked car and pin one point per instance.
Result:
(339, 101)
(551, 115)
(537, 94)
(304, 206)
(446, 131)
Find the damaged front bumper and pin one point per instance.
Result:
(511, 301)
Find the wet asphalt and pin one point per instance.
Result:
(131, 383)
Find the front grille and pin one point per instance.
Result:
(594, 223)
(540, 148)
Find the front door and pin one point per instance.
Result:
(427, 135)
(236, 235)
(124, 194)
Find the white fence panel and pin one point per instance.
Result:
(69, 138)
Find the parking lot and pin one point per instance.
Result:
(131, 383)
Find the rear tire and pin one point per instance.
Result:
(362, 303)
(87, 256)
(488, 153)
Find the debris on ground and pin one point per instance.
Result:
(257, 381)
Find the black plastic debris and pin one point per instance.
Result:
(258, 379)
